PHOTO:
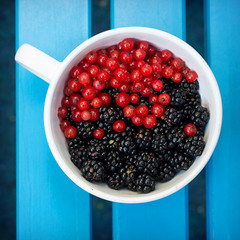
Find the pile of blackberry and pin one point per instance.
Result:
(133, 155)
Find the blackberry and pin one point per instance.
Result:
(105, 127)
(115, 181)
(194, 145)
(190, 87)
(176, 137)
(143, 138)
(85, 129)
(161, 128)
(165, 172)
(69, 117)
(127, 146)
(143, 184)
(172, 116)
(121, 116)
(113, 162)
(181, 161)
(178, 97)
(128, 173)
(112, 141)
(93, 171)
(113, 92)
(159, 144)
(194, 100)
(146, 163)
(96, 150)
(199, 116)
(108, 115)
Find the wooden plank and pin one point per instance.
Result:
(49, 205)
(223, 190)
(166, 218)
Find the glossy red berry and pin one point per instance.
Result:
(96, 102)
(157, 110)
(106, 99)
(143, 45)
(147, 80)
(112, 48)
(122, 99)
(89, 92)
(137, 120)
(112, 63)
(62, 112)
(65, 102)
(142, 110)
(74, 84)
(167, 72)
(101, 51)
(136, 75)
(93, 70)
(115, 83)
(70, 132)
(94, 114)
(166, 55)
(103, 75)
(140, 64)
(129, 111)
(146, 92)
(134, 98)
(154, 60)
(139, 54)
(151, 51)
(149, 121)
(75, 71)
(138, 86)
(185, 71)
(177, 77)
(85, 79)
(64, 124)
(67, 91)
(164, 99)
(98, 84)
(190, 129)
(120, 74)
(76, 115)
(126, 57)
(92, 57)
(114, 54)
(125, 87)
(146, 70)
(74, 99)
(191, 76)
(86, 115)
(98, 133)
(153, 99)
(84, 64)
(119, 126)
(178, 64)
(157, 85)
(102, 59)
(127, 44)
(83, 104)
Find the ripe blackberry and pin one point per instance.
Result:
(190, 87)
(78, 151)
(172, 116)
(113, 161)
(161, 128)
(96, 149)
(199, 116)
(165, 172)
(178, 97)
(128, 173)
(113, 92)
(143, 138)
(143, 184)
(194, 100)
(112, 141)
(115, 181)
(146, 163)
(194, 145)
(168, 85)
(176, 137)
(107, 128)
(93, 171)
(85, 129)
(108, 115)
(127, 146)
(159, 143)
(181, 161)
(145, 101)
(121, 116)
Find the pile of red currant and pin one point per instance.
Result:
(134, 72)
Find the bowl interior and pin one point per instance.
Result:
(210, 98)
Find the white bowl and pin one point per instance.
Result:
(56, 73)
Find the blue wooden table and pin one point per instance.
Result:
(49, 205)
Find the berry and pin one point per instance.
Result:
(144, 183)
(77, 115)
(74, 99)
(119, 126)
(165, 55)
(146, 70)
(106, 99)
(65, 102)
(89, 92)
(98, 84)
(125, 87)
(143, 138)
(136, 75)
(153, 99)
(159, 143)
(142, 110)
(146, 92)
(94, 114)
(127, 44)
(149, 121)
(83, 104)
(177, 77)
(93, 70)
(85, 129)
(129, 111)
(191, 76)
(112, 64)
(134, 98)
(172, 116)
(177, 64)
(139, 54)
(64, 124)
(157, 85)
(143, 45)
(180, 161)
(98, 133)
(178, 97)
(164, 99)
(70, 132)
(102, 59)
(199, 116)
(115, 83)
(138, 86)
(93, 171)
(85, 79)
(151, 51)
(115, 181)
(190, 129)
(120, 74)
(74, 85)
(103, 76)
(126, 57)
(155, 59)
(166, 172)
(96, 102)
(122, 99)
(62, 112)
(85, 115)
(137, 120)
(194, 145)
(167, 72)
(108, 115)
(91, 57)
(157, 110)
(75, 71)
(127, 146)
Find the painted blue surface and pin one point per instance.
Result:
(49, 205)
(223, 189)
(166, 218)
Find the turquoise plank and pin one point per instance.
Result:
(166, 218)
(49, 205)
(223, 190)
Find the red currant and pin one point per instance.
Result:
(142, 110)
(146, 70)
(191, 76)
(96, 102)
(140, 64)
(114, 54)
(157, 85)
(125, 87)
(101, 51)
(153, 98)
(126, 57)
(147, 80)
(119, 126)
(177, 77)
(134, 98)
(166, 55)
(86, 115)
(164, 99)
(106, 99)
(157, 110)
(111, 63)
(190, 129)
(74, 85)
(143, 45)
(127, 44)
(91, 57)
(93, 70)
(98, 133)
(120, 74)
(98, 84)
(178, 64)
(139, 54)
(94, 114)
(83, 104)
(155, 59)
(167, 72)
(62, 112)
(150, 121)
(138, 86)
(132, 65)
(84, 64)
(136, 75)
(185, 71)
(112, 48)
(129, 111)
(70, 132)
(67, 91)
(85, 79)
(137, 120)
(74, 99)
(89, 92)
(64, 124)
(75, 71)
(151, 51)
(122, 99)
(115, 83)
(76, 116)
(102, 59)
(65, 102)
(146, 92)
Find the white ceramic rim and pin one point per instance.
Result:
(64, 167)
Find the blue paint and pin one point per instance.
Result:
(223, 189)
(166, 218)
(49, 205)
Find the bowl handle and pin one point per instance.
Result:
(37, 62)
